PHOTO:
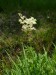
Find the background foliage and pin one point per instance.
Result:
(12, 37)
(13, 5)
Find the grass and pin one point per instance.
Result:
(31, 63)
(11, 36)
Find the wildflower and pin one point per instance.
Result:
(27, 23)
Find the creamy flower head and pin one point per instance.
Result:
(30, 21)
(27, 23)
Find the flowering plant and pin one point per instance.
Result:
(27, 23)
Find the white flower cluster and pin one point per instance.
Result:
(27, 23)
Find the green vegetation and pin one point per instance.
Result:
(31, 63)
(37, 56)
(39, 4)
(12, 35)
(13, 5)
(27, 37)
